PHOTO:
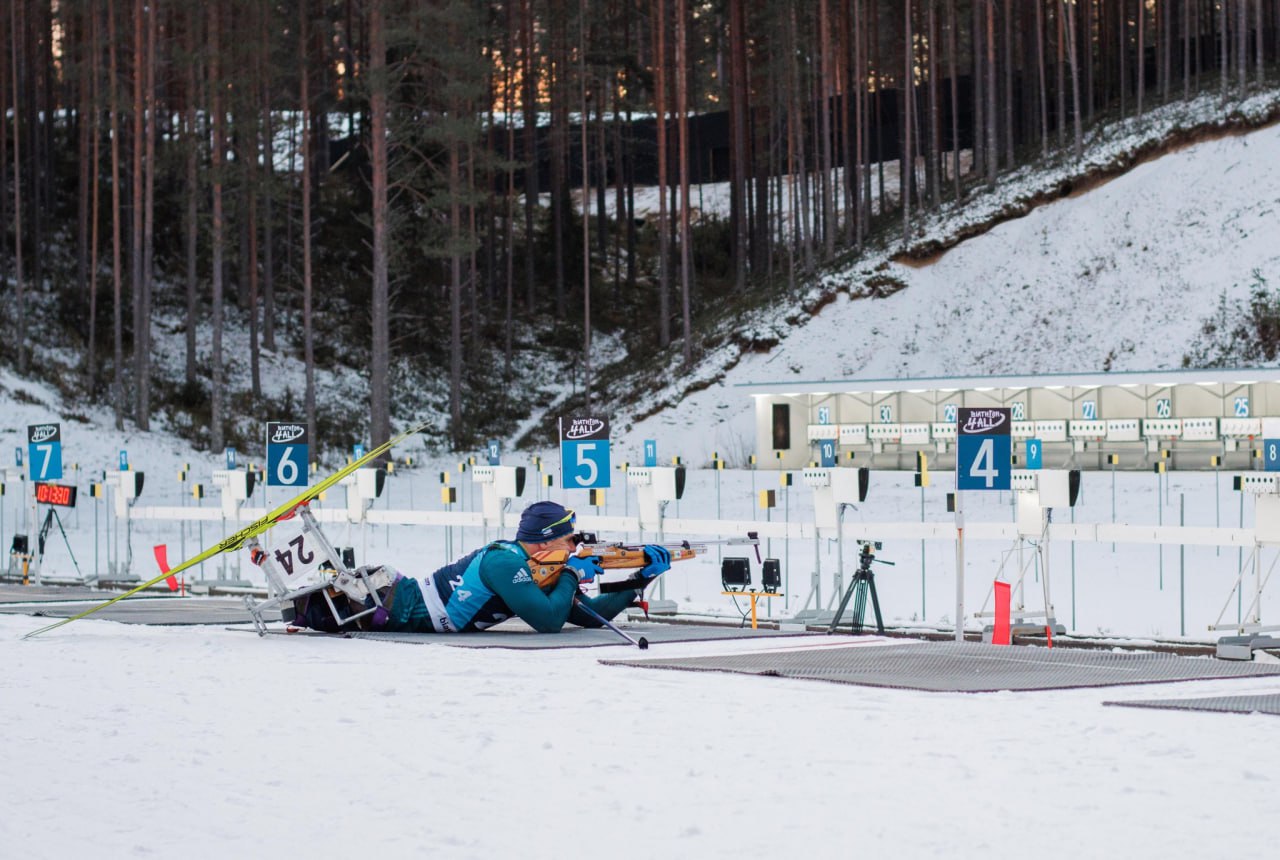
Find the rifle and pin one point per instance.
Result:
(547, 565)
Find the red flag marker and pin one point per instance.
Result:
(1000, 633)
(162, 558)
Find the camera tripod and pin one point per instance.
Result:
(862, 585)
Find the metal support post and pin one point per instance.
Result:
(959, 566)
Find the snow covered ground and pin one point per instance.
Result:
(124, 741)
(172, 742)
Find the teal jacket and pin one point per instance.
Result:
(488, 587)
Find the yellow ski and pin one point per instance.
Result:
(236, 541)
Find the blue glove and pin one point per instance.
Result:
(587, 567)
(659, 560)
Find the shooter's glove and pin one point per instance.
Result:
(586, 567)
(659, 560)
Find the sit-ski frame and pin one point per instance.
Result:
(357, 585)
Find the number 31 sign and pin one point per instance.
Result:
(983, 449)
(584, 453)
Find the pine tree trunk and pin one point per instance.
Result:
(380, 310)
(1088, 43)
(5, 91)
(1187, 35)
(906, 160)
(1242, 43)
(933, 163)
(251, 211)
(952, 24)
(1078, 137)
(268, 192)
(17, 40)
(91, 353)
(193, 193)
(620, 208)
(664, 230)
(530, 105)
(682, 130)
(1142, 53)
(633, 233)
(308, 175)
(1044, 95)
(117, 299)
(1223, 38)
(508, 236)
(216, 239)
(585, 113)
(826, 94)
(860, 198)
(136, 267)
(39, 193)
(455, 297)
(1007, 60)
(559, 151)
(143, 335)
(1259, 33)
(1122, 53)
(993, 125)
(85, 167)
(977, 53)
(738, 151)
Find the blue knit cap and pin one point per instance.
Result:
(544, 521)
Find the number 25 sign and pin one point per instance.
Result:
(983, 449)
(584, 453)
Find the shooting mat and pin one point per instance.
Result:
(515, 634)
(1258, 704)
(52, 593)
(164, 611)
(965, 668)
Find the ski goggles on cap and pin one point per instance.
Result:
(545, 521)
(557, 527)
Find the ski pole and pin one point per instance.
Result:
(641, 643)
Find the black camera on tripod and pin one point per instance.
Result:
(860, 588)
(867, 554)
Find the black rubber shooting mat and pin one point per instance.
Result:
(51, 593)
(1261, 704)
(965, 668)
(194, 610)
(514, 634)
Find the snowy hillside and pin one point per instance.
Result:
(1118, 278)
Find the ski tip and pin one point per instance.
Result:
(643, 643)
(44, 629)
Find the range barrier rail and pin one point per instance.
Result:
(683, 527)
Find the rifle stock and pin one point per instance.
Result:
(546, 566)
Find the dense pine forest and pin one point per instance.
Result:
(445, 194)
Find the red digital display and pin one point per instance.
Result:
(61, 495)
